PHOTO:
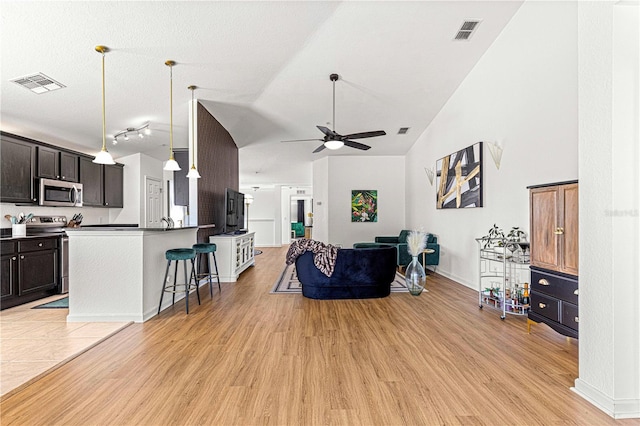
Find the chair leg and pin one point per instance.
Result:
(195, 279)
(175, 277)
(215, 262)
(164, 283)
(186, 285)
(209, 275)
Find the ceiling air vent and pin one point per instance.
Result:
(467, 29)
(38, 83)
(403, 130)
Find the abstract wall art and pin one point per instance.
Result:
(459, 179)
(364, 205)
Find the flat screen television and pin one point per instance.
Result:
(234, 205)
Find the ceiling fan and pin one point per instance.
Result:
(333, 140)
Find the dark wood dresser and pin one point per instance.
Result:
(554, 222)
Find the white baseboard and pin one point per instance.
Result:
(616, 408)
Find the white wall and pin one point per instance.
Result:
(609, 374)
(346, 173)
(262, 216)
(321, 199)
(521, 94)
(136, 167)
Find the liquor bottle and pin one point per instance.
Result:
(525, 296)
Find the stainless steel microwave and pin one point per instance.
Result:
(59, 193)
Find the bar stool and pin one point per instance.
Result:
(205, 249)
(179, 254)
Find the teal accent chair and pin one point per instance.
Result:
(298, 228)
(404, 258)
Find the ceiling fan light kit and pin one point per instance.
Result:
(333, 140)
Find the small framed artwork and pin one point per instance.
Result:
(364, 205)
(459, 179)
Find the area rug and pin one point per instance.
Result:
(56, 304)
(288, 283)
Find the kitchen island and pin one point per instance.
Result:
(116, 273)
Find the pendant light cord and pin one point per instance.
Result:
(193, 131)
(171, 111)
(104, 120)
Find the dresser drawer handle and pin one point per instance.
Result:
(576, 292)
(575, 319)
(542, 305)
(543, 282)
(39, 244)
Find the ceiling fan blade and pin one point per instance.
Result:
(318, 149)
(327, 131)
(366, 134)
(356, 145)
(302, 140)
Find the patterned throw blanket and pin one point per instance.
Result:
(324, 255)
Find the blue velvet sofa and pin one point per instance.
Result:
(358, 274)
(404, 258)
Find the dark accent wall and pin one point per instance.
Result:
(218, 166)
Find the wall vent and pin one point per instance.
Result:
(38, 83)
(403, 130)
(467, 29)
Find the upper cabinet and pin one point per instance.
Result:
(18, 158)
(102, 185)
(57, 164)
(92, 183)
(554, 227)
(180, 179)
(113, 185)
(24, 161)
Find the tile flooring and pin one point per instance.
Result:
(36, 341)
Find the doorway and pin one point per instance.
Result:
(153, 202)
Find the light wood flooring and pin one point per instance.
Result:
(248, 357)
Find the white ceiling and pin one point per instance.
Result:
(262, 69)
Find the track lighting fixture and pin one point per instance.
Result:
(124, 134)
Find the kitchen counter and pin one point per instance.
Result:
(116, 273)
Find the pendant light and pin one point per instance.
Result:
(171, 165)
(103, 157)
(193, 172)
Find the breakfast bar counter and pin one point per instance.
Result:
(116, 273)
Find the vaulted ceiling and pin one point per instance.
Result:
(261, 68)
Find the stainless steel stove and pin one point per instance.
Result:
(46, 224)
(54, 225)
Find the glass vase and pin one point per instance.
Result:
(415, 277)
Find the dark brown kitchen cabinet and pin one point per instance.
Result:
(9, 272)
(48, 163)
(30, 270)
(17, 169)
(57, 164)
(69, 166)
(102, 185)
(92, 183)
(180, 179)
(113, 185)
